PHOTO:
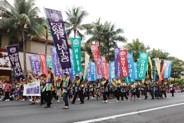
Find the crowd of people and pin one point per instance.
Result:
(58, 88)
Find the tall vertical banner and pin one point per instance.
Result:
(166, 71)
(108, 73)
(57, 67)
(73, 73)
(35, 65)
(87, 57)
(15, 61)
(56, 24)
(88, 76)
(49, 63)
(131, 67)
(157, 64)
(117, 64)
(155, 74)
(97, 58)
(92, 71)
(76, 50)
(136, 72)
(123, 59)
(43, 63)
(142, 65)
(151, 66)
(104, 68)
(112, 70)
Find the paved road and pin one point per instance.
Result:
(22, 112)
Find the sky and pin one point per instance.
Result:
(157, 23)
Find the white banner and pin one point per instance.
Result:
(32, 89)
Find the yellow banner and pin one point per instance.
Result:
(157, 63)
(86, 63)
(151, 65)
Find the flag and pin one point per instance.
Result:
(112, 71)
(131, 67)
(142, 65)
(76, 52)
(43, 63)
(97, 58)
(117, 64)
(92, 71)
(56, 64)
(87, 57)
(123, 59)
(157, 64)
(56, 24)
(35, 65)
(15, 61)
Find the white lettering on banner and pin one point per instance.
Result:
(64, 58)
(14, 58)
(58, 30)
(142, 65)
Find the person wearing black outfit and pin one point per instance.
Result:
(104, 84)
(78, 89)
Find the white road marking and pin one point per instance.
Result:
(128, 114)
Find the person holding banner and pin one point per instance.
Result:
(66, 87)
(49, 87)
(78, 89)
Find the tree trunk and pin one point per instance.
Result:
(46, 43)
(74, 33)
(24, 52)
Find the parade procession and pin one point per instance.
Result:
(109, 62)
(123, 78)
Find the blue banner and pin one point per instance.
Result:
(112, 71)
(135, 68)
(92, 71)
(55, 59)
(131, 67)
(88, 73)
(167, 72)
(35, 65)
(72, 63)
(155, 74)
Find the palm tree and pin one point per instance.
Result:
(22, 21)
(106, 35)
(136, 46)
(73, 23)
(111, 37)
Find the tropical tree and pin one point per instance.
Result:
(158, 53)
(136, 46)
(22, 21)
(111, 36)
(73, 23)
(106, 35)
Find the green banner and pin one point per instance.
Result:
(142, 65)
(49, 62)
(76, 52)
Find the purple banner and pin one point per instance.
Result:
(56, 24)
(35, 65)
(117, 64)
(15, 61)
(55, 60)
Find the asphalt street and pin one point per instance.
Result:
(22, 112)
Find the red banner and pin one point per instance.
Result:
(43, 63)
(104, 68)
(123, 60)
(108, 72)
(96, 54)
